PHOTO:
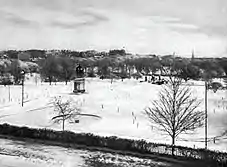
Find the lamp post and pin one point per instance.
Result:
(22, 93)
(206, 85)
(9, 93)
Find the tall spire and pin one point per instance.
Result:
(193, 56)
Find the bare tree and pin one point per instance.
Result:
(67, 68)
(66, 109)
(176, 110)
(50, 69)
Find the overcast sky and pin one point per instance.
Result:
(141, 26)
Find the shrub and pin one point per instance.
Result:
(6, 79)
(91, 74)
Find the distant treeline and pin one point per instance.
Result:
(13, 54)
(59, 65)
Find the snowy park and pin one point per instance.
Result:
(120, 106)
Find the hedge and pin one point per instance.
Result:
(115, 143)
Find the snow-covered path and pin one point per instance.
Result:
(28, 154)
(18, 153)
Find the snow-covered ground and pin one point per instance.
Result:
(120, 105)
(28, 154)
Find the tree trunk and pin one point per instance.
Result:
(50, 80)
(129, 70)
(66, 77)
(63, 124)
(173, 144)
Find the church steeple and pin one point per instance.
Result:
(193, 56)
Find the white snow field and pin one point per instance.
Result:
(120, 105)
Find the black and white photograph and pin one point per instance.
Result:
(113, 83)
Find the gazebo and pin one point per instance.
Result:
(79, 81)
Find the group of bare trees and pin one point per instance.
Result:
(10, 70)
(60, 64)
(188, 68)
(57, 68)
